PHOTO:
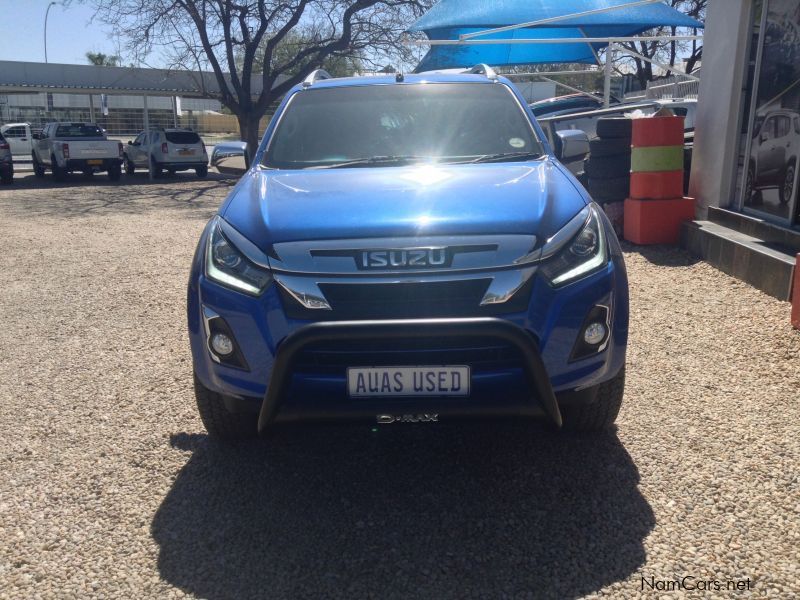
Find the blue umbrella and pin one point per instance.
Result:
(451, 19)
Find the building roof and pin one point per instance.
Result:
(91, 79)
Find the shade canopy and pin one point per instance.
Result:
(449, 19)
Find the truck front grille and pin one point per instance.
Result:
(357, 301)
(478, 354)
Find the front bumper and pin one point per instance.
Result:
(347, 331)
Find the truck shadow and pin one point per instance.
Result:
(498, 509)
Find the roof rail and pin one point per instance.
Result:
(485, 70)
(315, 76)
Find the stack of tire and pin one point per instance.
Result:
(608, 167)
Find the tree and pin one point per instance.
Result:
(258, 49)
(667, 52)
(102, 60)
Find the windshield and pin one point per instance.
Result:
(76, 130)
(399, 124)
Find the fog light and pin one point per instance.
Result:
(221, 344)
(594, 333)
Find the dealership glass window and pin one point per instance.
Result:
(769, 150)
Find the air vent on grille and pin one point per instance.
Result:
(461, 298)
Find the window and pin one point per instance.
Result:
(182, 137)
(140, 139)
(768, 131)
(78, 130)
(782, 126)
(15, 132)
(441, 122)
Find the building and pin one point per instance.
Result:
(123, 100)
(746, 158)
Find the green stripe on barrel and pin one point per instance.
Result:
(657, 158)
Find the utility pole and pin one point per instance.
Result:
(46, 14)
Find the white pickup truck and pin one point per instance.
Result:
(19, 137)
(67, 147)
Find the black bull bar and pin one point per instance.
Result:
(484, 327)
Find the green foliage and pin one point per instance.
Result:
(103, 60)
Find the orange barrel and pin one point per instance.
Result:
(657, 131)
(656, 206)
(657, 184)
(657, 157)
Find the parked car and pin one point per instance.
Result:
(230, 158)
(6, 161)
(169, 150)
(773, 156)
(569, 103)
(407, 249)
(68, 147)
(19, 136)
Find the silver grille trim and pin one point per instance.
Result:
(338, 257)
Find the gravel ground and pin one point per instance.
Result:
(111, 489)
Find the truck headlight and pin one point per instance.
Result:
(584, 253)
(227, 265)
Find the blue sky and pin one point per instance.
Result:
(69, 33)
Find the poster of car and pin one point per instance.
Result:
(773, 152)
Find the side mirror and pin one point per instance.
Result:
(231, 158)
(36, 136)
(130, 142)
(571, 145)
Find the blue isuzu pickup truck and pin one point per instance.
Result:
(407, 249)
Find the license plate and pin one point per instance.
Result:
(408, 381)
(94, 162)
(186, 152)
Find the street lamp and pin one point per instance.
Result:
(46, 14)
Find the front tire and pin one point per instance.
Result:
(749, 183)
(130, 168)
(601, 412)
(219, 422)
(786, 186)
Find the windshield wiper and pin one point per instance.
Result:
(506, 156)
(371, 162)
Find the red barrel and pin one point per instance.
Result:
(657, 131)
(657, 184)
(656, 206)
